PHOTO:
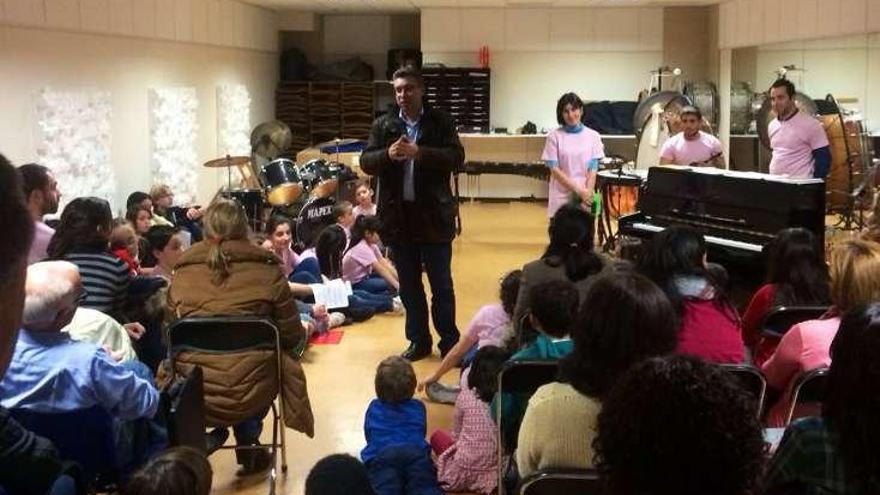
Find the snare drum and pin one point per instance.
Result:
(282, 182)
(252, 202)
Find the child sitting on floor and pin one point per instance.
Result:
(363, 264)
(490, 326)
(468, 458)
(343, 213)
(364, 196)
(397, 457)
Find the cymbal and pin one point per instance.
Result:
(338, 142)
(270, 139)
(227, 161)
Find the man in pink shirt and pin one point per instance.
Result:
(42, 196)
(799, 143)
(692, 146)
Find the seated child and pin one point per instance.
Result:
(364, 197)
(164, 249)
(279, 236)
(178, 470)
(124, 245)
(490, 326)
(468, 459)
(363, 264)
(343, 213)
(397, 457)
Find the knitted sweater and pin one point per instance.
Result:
(557, 430)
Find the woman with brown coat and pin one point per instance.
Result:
(226, 274)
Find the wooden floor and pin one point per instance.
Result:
(496, 238)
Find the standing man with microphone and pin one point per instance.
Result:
(413, 153)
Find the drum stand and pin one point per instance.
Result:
(851, 218)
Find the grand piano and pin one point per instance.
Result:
(738, 213)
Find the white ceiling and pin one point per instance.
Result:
(388, 6)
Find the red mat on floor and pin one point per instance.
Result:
(332, 337)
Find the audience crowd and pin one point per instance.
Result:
(647, 392)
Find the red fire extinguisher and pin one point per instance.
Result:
(484, 56)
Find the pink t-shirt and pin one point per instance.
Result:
(793, 141)
(683, 151)
(806, 346)
(359, 210)
(573, 153)
(42, 235)
(489, 325)
(289, 260)
(357, 264)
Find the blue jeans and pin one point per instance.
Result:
(248, 433)
(436, 260)
(376, 302)
(403, 470)
(306, 272)
(375, 284)
(139, 440)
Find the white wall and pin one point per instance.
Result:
(847, 67)
(538, 54)
(755, 22)
(68, 46)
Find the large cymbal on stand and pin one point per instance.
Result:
(227, 161)
(270, 139)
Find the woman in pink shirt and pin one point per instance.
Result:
(363, 264)
(278, 231)
(572, 153)
(855, 280)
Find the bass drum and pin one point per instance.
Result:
(705, 97)
(282, 181)
(312, 218)
(252, 202)
(847, 140)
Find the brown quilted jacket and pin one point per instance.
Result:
(239, 385)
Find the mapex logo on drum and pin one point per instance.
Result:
(319, 212)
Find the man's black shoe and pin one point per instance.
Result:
(415, 352)
(256, 461)
(215, 439)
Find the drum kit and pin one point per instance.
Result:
(305, 192)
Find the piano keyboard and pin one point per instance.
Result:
(718, 241)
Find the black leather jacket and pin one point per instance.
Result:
(431, 217)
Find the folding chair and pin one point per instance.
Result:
(751, 379)
(228, 334)
(184, 407)
(521, 378)
(561, 481)
(85, 436)
(808, 389)
(777, 322)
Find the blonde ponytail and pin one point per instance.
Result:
(224, 221)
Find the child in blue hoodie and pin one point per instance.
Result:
(397, 457)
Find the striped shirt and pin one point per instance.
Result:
(105, 279)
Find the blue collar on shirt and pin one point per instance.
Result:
(573, 129)
(411, 123)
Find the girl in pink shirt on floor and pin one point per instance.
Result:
(855, 280)
(468, 457)
(363, 264)
(278, 233)
(364, 197)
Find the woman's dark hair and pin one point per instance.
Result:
(852, 395)
(274, 222)
(483, 375)
(679, 425)
(338, 474)
(177, 471)
(131, 214)
(571, 243)
(85, 227)
(136, 198)
(510, 291)
(797, 269)
(624, 318)
(679, 251)
(362, 225)
(555, 305)
(157, 238)
(329, 250)
(34, 177)
(567, 99)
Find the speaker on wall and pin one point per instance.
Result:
(400, 57)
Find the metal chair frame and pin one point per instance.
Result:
(813, 378)
(277, 418)
(589, 478)
(746, 371)
(780, 312)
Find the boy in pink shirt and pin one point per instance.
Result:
(691, 146)
(799, 143)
